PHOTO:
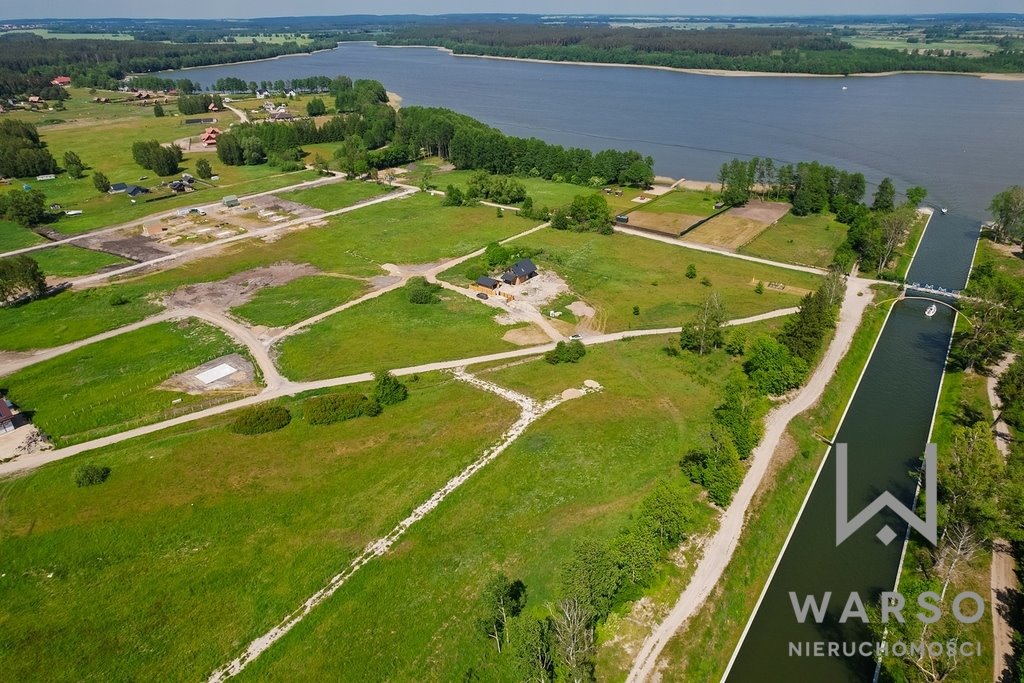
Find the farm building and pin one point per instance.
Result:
(6, 417)
(519, 272)
(486, 284)
(62, 81)
(230, 200)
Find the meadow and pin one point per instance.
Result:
(389, 332)
(336, 195)
(70, 261)
(805, 240)
(299, 299)
(577, 473)
(689, 202)
(13, 236)
(614, 273)
(201, 538)
(112, 385)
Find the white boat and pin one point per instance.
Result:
(931, 310)
(844, 87)
(944, 210)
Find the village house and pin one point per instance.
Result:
(62, 81)
(209, 137)
(35, 99)
(130, 190)
(6, 417)
(519, 272)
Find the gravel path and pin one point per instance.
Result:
(719, 549)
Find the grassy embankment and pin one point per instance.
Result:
(113, 385)
(702, 650)
(202, 539)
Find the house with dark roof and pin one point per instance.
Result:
(6, 417)
(520, 271)
(130, 190)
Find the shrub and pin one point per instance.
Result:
(91, 475)
(691, 271)
(772, 368)
(715, 466)
(325, 410)
(387, 390)
(419, 291)
(566, 352)
(261, 420)
(119, 300)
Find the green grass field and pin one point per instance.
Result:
(576, 473)
(201, 539)
(689, 202)
(805, 240)
(614, 273)
(419, 230)
(70, 261)
(298, 300)
(390, 332)
(46, 33)
(13, 236)
(111, 386)
(72, 315)
(972, 48)
(335, 195)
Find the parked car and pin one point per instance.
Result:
(575, 337)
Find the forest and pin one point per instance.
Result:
(29, 62)
(796, 50)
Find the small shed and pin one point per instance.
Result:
(230, 200)
(486, 284)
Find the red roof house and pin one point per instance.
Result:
(6, 417)
(62, 81)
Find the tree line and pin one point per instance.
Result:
(22, 153)
(779, 50)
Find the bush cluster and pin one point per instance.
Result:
(91, 475)
(566, 352)
(325, 410)
(261, 419)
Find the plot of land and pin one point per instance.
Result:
(673, 224)
(110, 386)
(336, 195)
(13, 236)
(578, 473)
(614, 273)
(299, 299)
(673, 213)
(390, 332)
(202, 538)
(807, 240)
(739, 225)
(69, 261)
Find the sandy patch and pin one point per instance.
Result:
(739, 225)
(237, 289)
(571, 393)
(581, 309)
(24, 440)
(526, 336)
(667, 223)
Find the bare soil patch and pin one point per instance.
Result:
(739, 225)
(673, 224)
(237, 289)
(243, 380)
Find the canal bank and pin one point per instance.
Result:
(886, 427)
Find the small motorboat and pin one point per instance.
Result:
(931, 310)
(944, 211)
(844, 87)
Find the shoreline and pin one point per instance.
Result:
(729, 73)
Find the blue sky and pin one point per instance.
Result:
(10, 9)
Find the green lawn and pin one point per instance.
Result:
(419, 230)
(13, 236)
(613, 273)
(298, 300)
(111, 386)
(576, 473)
(201, 538)
(689, 202)
(336, 195)
(543, 192)
(72, 315)
(70, 261)
(390, 332)
(806, 240)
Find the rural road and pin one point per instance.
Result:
(718, 551)
(289, 388)
(1003, 581)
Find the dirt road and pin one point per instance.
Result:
(719, 550)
